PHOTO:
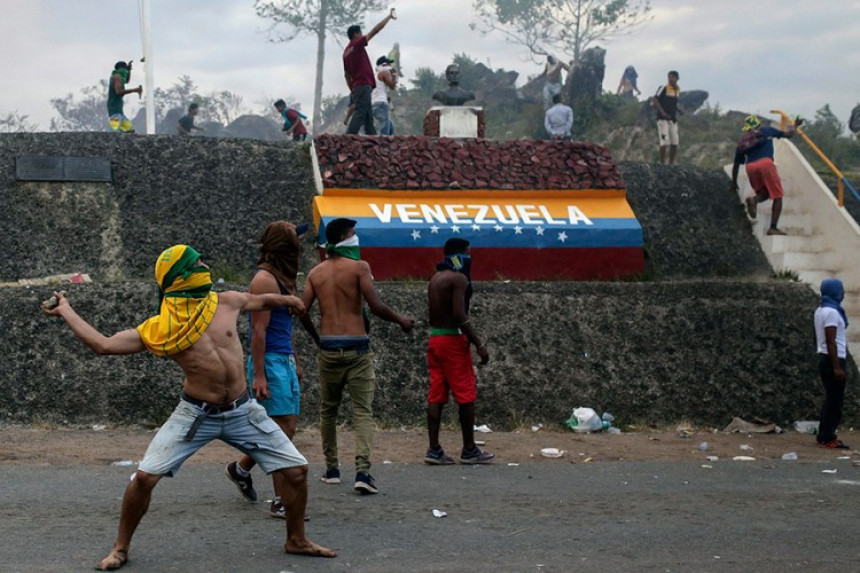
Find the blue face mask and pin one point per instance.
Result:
(462, 264)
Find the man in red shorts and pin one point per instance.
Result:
(449, 357)
(755, 148)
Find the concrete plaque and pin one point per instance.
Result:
(60, 168)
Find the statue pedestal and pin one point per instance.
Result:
(454, 121)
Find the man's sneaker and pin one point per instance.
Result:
(277, 509)
(476, 456)
(245, 484)
(752, 207)
(331, 476)
(364, 484)
(834, 445)
(438, 457)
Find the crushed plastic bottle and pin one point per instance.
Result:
(607, 417)
(790, 456)
(704, 446)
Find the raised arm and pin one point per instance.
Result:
(378, 28)
(124, 342)
(245, 302)
(377, 307)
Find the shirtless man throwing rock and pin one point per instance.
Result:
(196, 328)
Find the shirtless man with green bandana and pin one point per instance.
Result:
(340, 283)
(196, 328)
(120, 76)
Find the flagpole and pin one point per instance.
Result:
(148, 66)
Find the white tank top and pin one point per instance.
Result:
(380, 92)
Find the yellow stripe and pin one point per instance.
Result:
(412, 206)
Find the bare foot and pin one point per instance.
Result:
(308, 548)
(116, 559)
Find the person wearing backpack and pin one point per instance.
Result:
(292, 118)
(665, 101)
(755, 150)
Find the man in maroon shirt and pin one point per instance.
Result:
(360, 77)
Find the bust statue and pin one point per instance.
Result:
(454, 95)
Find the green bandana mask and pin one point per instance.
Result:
(123, 73)
(347, 248)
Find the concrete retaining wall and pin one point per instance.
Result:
(703, 351)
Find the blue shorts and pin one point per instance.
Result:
(284, 392)
(247, 428)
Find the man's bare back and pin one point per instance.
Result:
(445, 290)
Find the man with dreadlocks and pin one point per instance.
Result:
(449, 357)
(196, 328)
(341, 283)
(119, 77)
(274, 372)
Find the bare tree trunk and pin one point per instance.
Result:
(318, 85)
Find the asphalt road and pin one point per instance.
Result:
(638, 516)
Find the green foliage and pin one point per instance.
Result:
(426, 81)
(827, 132)
(89, 113)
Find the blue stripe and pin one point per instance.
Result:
(603, 233)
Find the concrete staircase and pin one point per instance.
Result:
(823, 240)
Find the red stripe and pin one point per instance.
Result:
(518, 264)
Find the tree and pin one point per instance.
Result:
(314, 17)
(88, 114)
(14, 122)
(569, 27)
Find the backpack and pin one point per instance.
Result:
(854, 122)
(750, 140)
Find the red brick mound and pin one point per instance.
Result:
(352, 161)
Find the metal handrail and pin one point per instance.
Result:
(784, 122)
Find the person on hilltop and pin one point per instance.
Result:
(340, 284)
(830, 324)
(553, 85)
(665, 101)
(386, 83)
(186, 123)
(292, 118)
(119, 77)
(196, 328)
(449, 358)
(558, 120)
(359, 75)
(755, 149)
(627, 87)
(274, 371)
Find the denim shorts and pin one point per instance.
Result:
(247, 428)
(284, 392)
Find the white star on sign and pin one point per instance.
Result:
(562, 236)
(434, 229)
(416, 234)
(476, 227)
(499, 228)
(455, 229)
(518, 230)
(539, 231)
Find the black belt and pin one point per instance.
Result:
(210, 410)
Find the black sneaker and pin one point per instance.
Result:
(331, 476)
(476, 456)
(245, 484)
(364, 484)
(437, 457)
(277, 509)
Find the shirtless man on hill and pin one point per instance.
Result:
(345, 361)
(449, 357)
(215, 403)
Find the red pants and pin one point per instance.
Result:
(449, 359)
(764, 178)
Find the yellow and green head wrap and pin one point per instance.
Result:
(751, 122)
(187, 302)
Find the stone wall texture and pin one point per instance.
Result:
(650, 353)
(710, 337)
(444, 163)
(217, 194)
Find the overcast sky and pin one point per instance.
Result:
(750, 55)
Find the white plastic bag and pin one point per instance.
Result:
(588, 420)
